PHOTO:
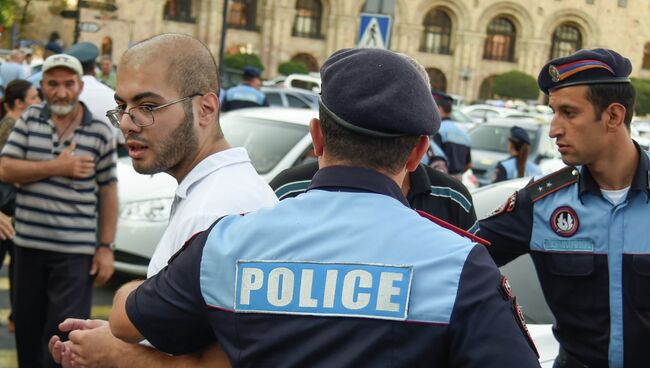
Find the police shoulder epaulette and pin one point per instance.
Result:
(453, 228)
(552, 183)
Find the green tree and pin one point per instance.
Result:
(239, 61)
(293, 67)
(515, 84)
(642, 87)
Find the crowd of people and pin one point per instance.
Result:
(369, 257)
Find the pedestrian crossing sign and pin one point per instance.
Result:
(374, 31)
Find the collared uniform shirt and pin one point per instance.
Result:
(99, 98)
(60, 213)
(243, 96)
(507, 169)
(223, 183)
(345, 275)
(592, 259)
(456, 144)
(430, 191)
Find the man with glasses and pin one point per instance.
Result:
(63, 160)
(170, 119)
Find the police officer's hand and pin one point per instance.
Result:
(102, 266)
(77, 167)
(6, 228)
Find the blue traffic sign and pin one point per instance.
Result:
(374, 31)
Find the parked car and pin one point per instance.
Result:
(490, 145)
(481, 113)
(291, 97)
(521, 274)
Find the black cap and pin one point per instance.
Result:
(84, 51)
(377, 92)
(519, 134)
(597, 66)
(441, 96)
(251, 72)
(54, 47)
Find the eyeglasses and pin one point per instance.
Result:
(141, 116)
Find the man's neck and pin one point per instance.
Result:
(207, 149)
(617, 167)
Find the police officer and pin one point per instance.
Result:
(517, 165)
(246, 94)
(346, 274)
(455, 143)
(585, 226)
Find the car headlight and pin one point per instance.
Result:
(151, 210)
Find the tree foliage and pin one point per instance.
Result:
(239, 61)
(293, 67)
(515, 84)
(8, 11)
(642, 87)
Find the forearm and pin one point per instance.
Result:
(135, 355)
(107, 213)
(17, 171)
(120, 324)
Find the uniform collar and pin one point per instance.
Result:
(420, 182)
(85, 120)
(640, 182)
(356, 179)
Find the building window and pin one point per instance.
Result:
(180, 11)
(500, 42)
(437, 33)
(646, 56)
(566, 41)
(308, 19)
(438, 79)
(379, 7)
(590, 1)
(242, 14)
(622, 3)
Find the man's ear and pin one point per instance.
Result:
(316, 136)
(614, 116)
(208, 108)
(416, 154)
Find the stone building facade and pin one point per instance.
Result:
(462, 43)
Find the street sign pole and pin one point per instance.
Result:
(224, 28)
(76, 22)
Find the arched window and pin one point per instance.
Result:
(485, 91)
(180, 11)
(436, 38)
(308, 19)
(646, 56)
(379, 7)
(500, 41)
(438, 79)
(307, 59)
(566, 40)
(243, 14)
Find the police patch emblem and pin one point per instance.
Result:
(504, 288)
(564, 221)
(507, 206)
(521, 321)
(554, 73)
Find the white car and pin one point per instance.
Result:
(521, 274)
(482, 113)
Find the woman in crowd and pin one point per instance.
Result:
(517, 165)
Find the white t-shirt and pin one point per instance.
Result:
(615, 196)
(99, 98)
(223, 183)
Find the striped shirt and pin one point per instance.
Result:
(60, 213)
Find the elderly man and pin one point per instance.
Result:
(333, 278)
(64, 161)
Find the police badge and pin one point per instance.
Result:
(554, 73)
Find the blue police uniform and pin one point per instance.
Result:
(244, 95)
(346, 274)
(456, 144)
(331, 278)
(507, 169)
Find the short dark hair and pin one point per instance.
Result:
(388, 154)
(88, 67)
(603, 95)
(444, 104)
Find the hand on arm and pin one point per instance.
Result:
(6, 228)
(18, 171)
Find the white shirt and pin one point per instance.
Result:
(223, 183)
(99, 98)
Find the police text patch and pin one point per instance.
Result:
(323, 289)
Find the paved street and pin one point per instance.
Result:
(101, 305)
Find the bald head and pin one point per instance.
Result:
(191, 68)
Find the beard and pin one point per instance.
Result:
(62, 109)
(172, 151)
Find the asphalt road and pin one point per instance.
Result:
(102, 299)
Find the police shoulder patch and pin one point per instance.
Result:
(521, 321)
(552, 183)
(506, 207)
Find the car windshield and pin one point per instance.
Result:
(267, 141)
(459, 116)
(494, 137)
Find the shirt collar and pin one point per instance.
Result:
(209, 165)
(356, 179)
(85, 120)
(640, 182)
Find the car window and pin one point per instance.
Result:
(313, 99)
(274, 99)
(494, 138)
(460, 117)
(266, 141)
(478, 113)
(296, 102)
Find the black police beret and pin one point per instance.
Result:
(377, 92)
(519, 134)
(84, 51)
(441, 96)
(597, 66)
(250, 71)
